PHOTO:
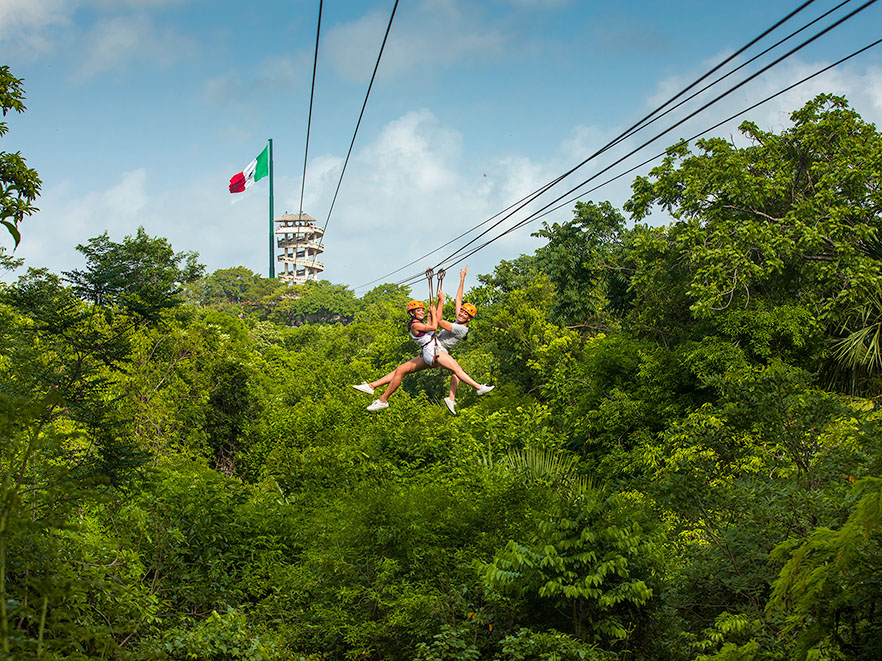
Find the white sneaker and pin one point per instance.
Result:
(378, 405)
(483, 390)
(365, 388)
(451, 405)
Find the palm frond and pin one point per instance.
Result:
(557, 469)
(862, 345)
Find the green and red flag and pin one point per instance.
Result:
(254, 171)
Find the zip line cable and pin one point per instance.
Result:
(669, 129)
(646, 121)
(318, 31)
(361, 114)
(686, 141)
(657, 156)
(692, 114)
(456, 238)
(622, 136)
(738, 68)
(545, 210)
(630, 131)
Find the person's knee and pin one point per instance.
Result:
(401, 370)
(448, 362)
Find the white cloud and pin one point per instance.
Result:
(408, 192)
(277, 75)
(414, 153)
(17, 15)
(67, 219)
(115, 43)
(35, 27)
(584, 141)
(440, 33)
(26, 25)
(861, 85)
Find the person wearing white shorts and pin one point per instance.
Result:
(434, 349)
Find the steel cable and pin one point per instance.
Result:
(637, 126)
(657, 136)
(543, 213)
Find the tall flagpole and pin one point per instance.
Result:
(272, 251)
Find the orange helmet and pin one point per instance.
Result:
(471, 309)
(413, 305)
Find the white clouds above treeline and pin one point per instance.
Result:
(161, 125)
(406, 192)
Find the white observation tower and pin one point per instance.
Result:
(301, 242)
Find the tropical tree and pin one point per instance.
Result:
(233, 286)
(772, 244)
(19, 184)
(142, 275)
(828, 589)
(588, 571)
(581, 260)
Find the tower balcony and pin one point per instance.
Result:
(315, 246)
(301, 262)
(311, 233)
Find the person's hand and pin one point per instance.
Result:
(463, 271)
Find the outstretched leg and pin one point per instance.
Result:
(454, 384)
(412, 365)
(450, 402)
(383, 380)
(446, 361)
(369, 388)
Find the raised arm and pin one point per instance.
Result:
(436, 311)
(439, 306)
(462, 277)
(434, 315)
(430, 324)
(447, 325)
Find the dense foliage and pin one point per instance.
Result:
(682, 458)
(19, 184)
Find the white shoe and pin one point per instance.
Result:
(378, 405)
(483, 390)
(365, 388)
(451, 405)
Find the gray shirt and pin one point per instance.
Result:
(449, 338)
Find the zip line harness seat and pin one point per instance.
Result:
(429, 275)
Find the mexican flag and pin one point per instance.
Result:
(254, 171)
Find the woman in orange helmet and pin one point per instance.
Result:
(434, 348)
(453, 331)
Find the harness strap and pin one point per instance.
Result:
(429, 274)
(437, 351)
(441, 273)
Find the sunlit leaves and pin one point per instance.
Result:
(590, 562)
(829, 586)
(784, 221)
(19, 184)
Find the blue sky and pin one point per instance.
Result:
(139, 112)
